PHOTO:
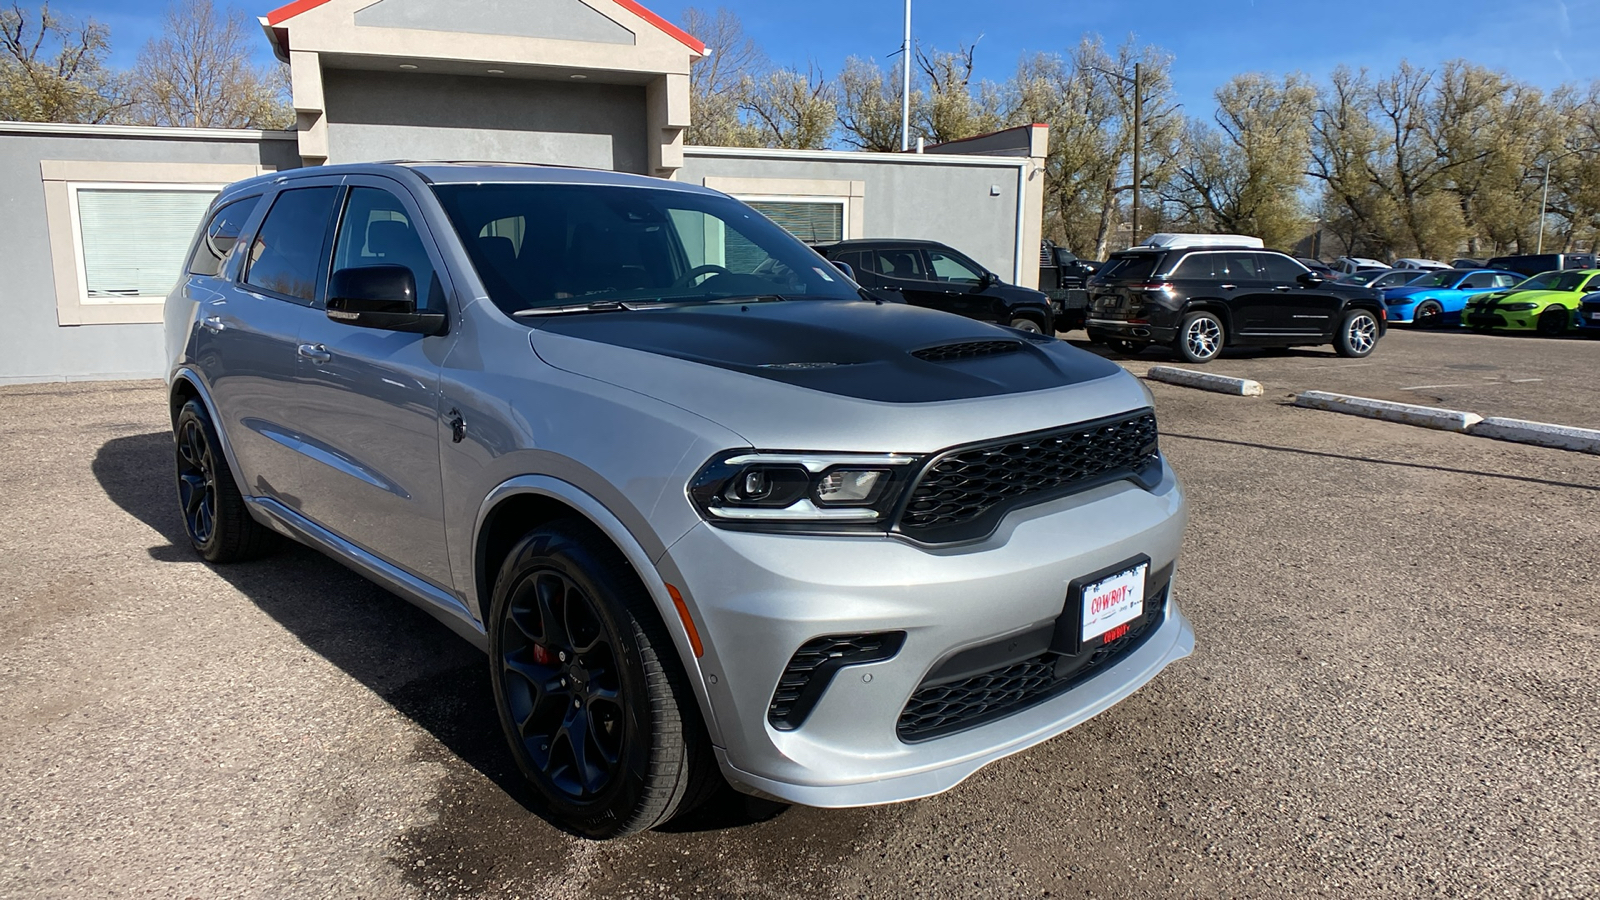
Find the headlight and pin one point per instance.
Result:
(805, 492)
(1520, 307)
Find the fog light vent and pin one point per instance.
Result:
(813, 666)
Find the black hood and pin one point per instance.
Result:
(872, 351)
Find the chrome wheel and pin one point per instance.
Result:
(1203, 338)
(197, 482)
(1361, 333)
(1027, 325)
(563, 685)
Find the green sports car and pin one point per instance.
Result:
(1545, 303)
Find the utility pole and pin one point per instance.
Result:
(1138, 118)
(1544, 201)
(905, 85)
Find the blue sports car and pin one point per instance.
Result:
(1437, 299)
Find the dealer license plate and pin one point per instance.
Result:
(1113, 602)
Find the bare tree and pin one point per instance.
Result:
(198, 74)
(52, 69)
(947, 110)
(720, 83)
(792, 110)
(869, 105)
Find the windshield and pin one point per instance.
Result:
(1447, 278)
(1552, 281)
(562, 245)
(1130, 266)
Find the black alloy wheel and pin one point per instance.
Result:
(1553, 321)
(590, 694)
(1428, 315)
(214, 514)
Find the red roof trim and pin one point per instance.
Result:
(290, 10)
(683, 36)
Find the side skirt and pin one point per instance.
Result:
(430, 599)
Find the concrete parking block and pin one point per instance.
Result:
(1564, 437)
(1406, 413)
(1205, 381)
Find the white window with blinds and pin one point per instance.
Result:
(814, 220)
(132, 239)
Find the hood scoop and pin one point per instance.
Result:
(966, 350)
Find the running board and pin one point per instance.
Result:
(437, 603)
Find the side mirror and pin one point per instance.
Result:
(380, 297)
(1310, 279)
(846, 268)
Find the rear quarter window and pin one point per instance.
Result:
(219, 236)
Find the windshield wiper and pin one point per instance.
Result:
(596, 306)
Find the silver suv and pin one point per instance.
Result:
(706, 505)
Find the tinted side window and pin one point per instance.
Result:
(1281, 269)
(1505, 281)
(1475, 281)
(287, 252)
(1199, 267)
(949, 268)
(221, 233)
(376, 231)
(899, 264)
(1245, 265)
(1133, 267)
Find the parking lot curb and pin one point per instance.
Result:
(1561, 437)
(1205, 381)
(1406, 413)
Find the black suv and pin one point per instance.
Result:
(933, 275)
(1199, 300)
(1532, 264)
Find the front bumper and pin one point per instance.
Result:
(756, 598)
(1503, 319)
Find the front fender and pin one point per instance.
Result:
(632, 548)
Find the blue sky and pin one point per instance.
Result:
(1545, 42)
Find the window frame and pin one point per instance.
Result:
(842, 202)
(79, 261)
(64, 238)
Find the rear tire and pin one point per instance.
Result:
(1553, 321)
(1428, 315)
(1201, 338)
(214, 514)
(589, 689)
(1357, 335)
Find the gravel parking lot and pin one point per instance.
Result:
(1394, 694)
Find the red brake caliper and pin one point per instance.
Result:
(542, 656)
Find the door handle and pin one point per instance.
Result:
(212, 324)
(317, 353)
(1227, 287)
(1283, 287)
(890, 287)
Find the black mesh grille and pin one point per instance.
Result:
(964, 492)
(812, 667)
(948, 708)
(969, 350)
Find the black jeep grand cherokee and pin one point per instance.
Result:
(1199, 300)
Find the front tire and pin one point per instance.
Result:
(1553, 321)
(1028, 325)
(589, 690)
(214, 515)
(1201, 337)
(1358, 335)
(1428, 315)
